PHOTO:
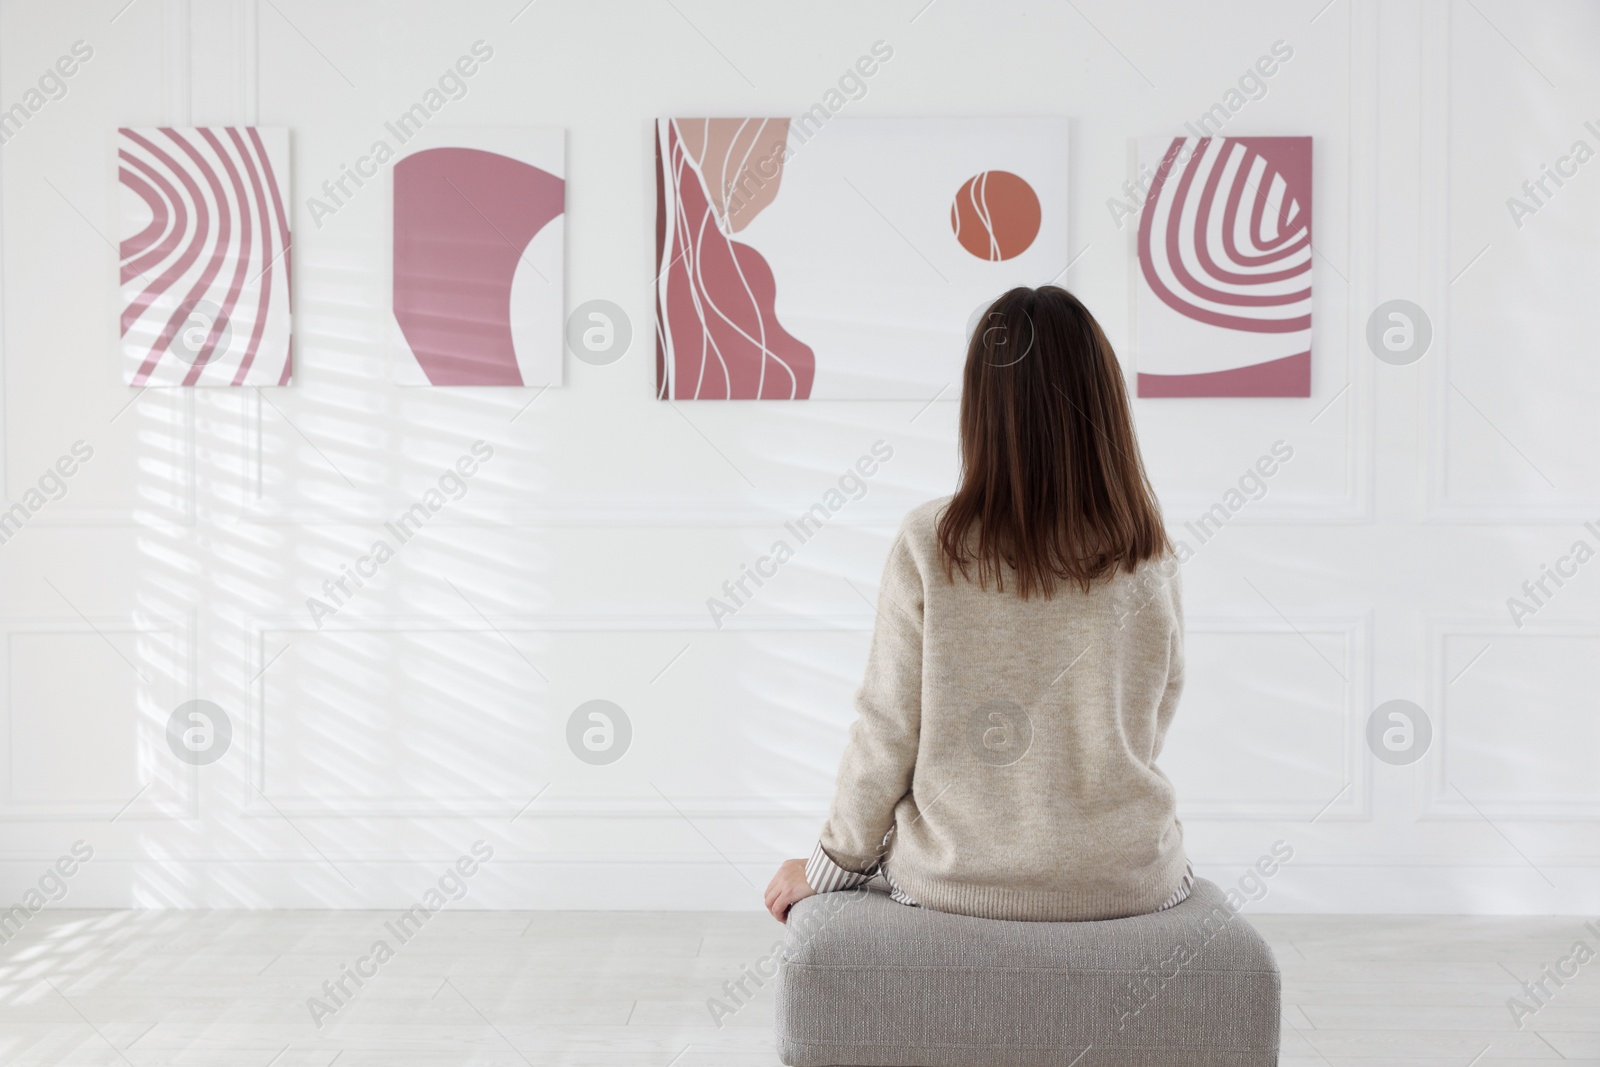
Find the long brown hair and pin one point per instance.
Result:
(1052, 485)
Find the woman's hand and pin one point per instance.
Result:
(788, 887)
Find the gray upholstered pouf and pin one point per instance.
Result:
(867, 982)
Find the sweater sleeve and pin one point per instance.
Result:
(1168, 706)
(876, 769)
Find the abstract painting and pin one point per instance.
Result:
(478, 256)
(843, 258)
(204, 255)
(1223, 296)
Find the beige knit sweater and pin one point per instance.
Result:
(1010, 744)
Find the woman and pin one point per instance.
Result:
(1027, 658)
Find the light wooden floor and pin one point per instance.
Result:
(622, 989)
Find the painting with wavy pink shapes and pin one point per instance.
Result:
(1223, 297)
(842, 258)
(478, 249)
(204, 255)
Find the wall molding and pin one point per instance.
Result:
(1357, 505)
(168, 790)
(1434, 219)
(1353, 803)
(1436, 799)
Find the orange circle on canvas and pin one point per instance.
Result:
(995, 215)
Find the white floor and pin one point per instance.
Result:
(622, 989)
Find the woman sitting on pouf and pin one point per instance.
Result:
(1027, 657)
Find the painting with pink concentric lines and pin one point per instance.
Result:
(1223, 294)
(478, 256)
(204, 254)
(820, 257)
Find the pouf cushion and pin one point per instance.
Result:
(866, 982)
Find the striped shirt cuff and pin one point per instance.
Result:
(825, 876)
(1185, 886)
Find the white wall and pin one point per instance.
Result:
(426, 715)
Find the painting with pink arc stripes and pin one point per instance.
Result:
(478, 257)
(1223, 292)
(204, 255)
(844, 258)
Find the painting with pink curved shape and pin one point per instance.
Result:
(843, 258)
(478, 286)
(1223, 297)
(204, 255)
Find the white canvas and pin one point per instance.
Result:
(855, 237)
(204, 255)
(478, 250)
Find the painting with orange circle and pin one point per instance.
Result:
(822, 256)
